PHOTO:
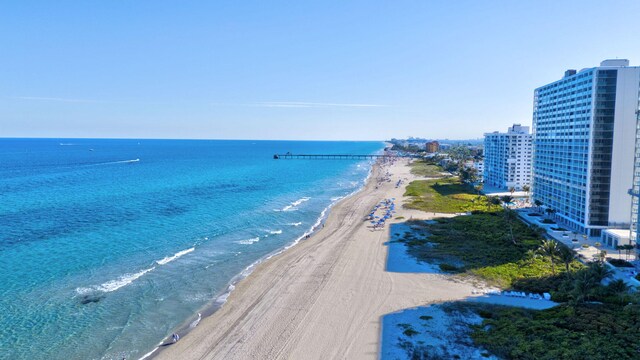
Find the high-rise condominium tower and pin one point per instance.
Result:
(584, 128)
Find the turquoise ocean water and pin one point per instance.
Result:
(108, 246)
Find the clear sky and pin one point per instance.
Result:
(294, 69)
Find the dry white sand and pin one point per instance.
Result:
(324, 298)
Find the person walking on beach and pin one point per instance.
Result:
(175, 337)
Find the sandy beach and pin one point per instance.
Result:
(324, 298)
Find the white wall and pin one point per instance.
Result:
(624, 132)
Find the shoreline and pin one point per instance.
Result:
(220, 300)
(323, 298)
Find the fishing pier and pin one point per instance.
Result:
(290, 156)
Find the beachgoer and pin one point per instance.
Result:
(175, 337)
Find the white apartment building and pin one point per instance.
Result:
(507, 158)
(584, 128)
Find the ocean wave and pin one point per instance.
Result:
(248, 241)
(293, 206)
(113, 285)
(295, 224)
(195, 322)
(120, 162)
(169, 259)
(275, 232)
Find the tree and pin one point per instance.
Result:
(618, 287)
(468, 175)
(599, 271)
(526, 188)
(479, 188)
(600, 256)
(538, 203)
(512, 190)
(627, 248)
(531, 255)
(583, 286)
(506, 199)
(566, 256)
(510, 216)
(549, 211)
(551, 249)
(492, 200)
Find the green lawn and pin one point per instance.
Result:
(423, 168)
(447, 195)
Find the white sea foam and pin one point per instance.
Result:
(113, 285)
(169, 259)
(248, 241)
(275, 232)
(223, 298)
(295, 224)
(294, 205)
(116, 162)
(195, 322)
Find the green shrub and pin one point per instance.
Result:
(563, 332)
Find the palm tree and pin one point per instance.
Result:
(512, 190)
(526, 188)
(627, 248)
(618, 287)
(479, 188)
(531, 255)
(583, 286)
(506, 199)
(599, 271)
(551, 249)
(538, 204)
(566, 256)
(510, 216)
(549, 211)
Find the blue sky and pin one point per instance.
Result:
(293, 70)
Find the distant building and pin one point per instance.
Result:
(432, 147)
(479, 166)
(584, 128)
(507, 158)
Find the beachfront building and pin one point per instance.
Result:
(432, 147)
(507, 158)
(584, 128)
(635, 190)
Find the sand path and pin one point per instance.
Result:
(324, 298)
